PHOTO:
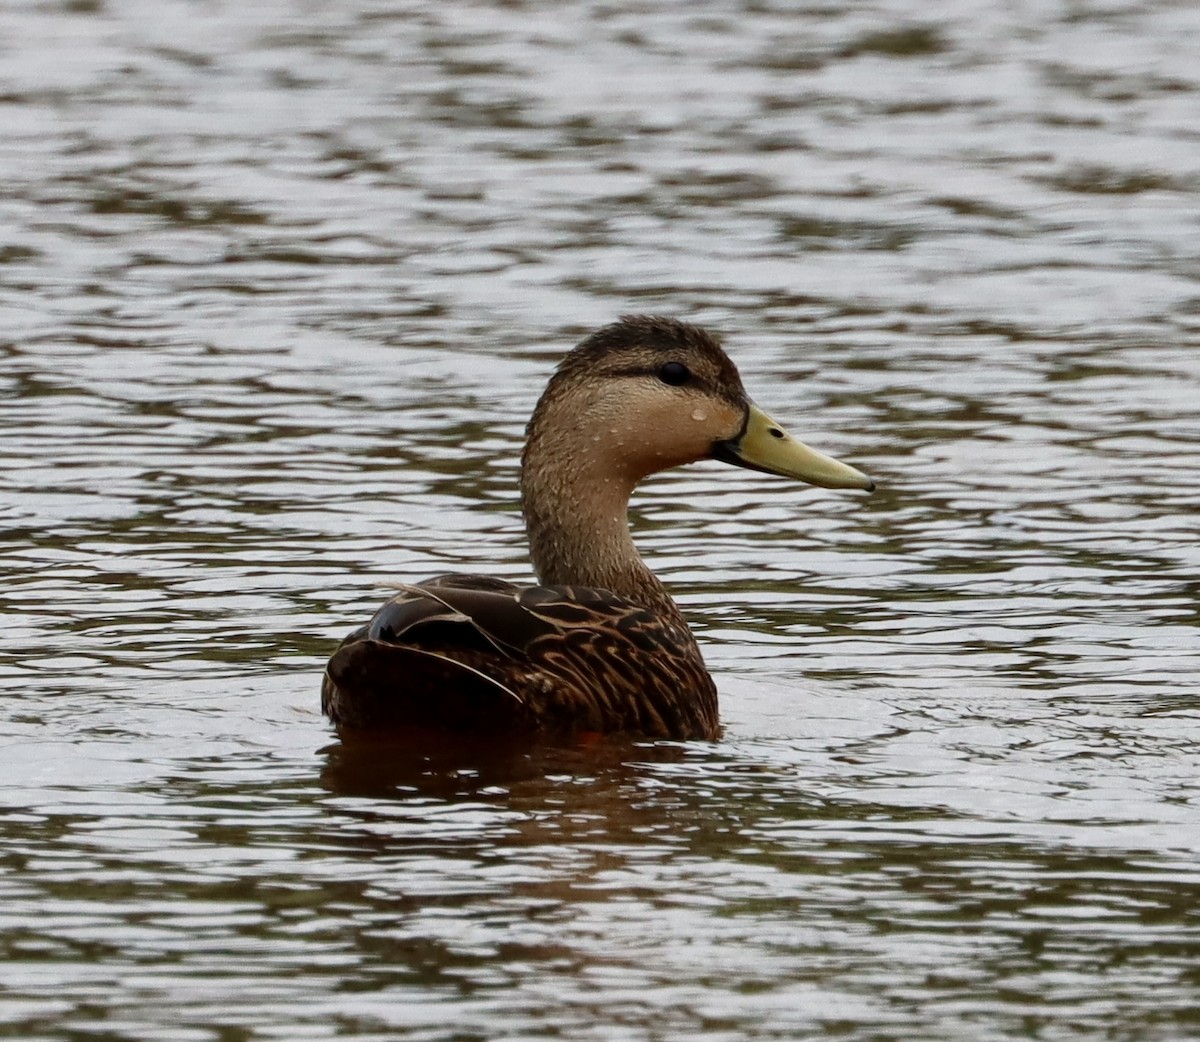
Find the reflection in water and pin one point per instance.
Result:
(462, 765)
(579, 885)
(279, 286)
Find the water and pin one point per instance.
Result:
(279, 284)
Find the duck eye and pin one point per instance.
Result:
(674, 373)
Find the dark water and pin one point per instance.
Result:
(279, 284)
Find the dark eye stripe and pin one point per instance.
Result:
(656, 373)
(733, 395)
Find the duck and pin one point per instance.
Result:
(597, 646)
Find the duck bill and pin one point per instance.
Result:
(766, 446)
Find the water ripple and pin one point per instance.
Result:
(279, 287)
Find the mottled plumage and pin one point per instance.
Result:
(465, 652)
(601, 646)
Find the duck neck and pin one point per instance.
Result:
(577, 515)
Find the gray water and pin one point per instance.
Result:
(279, 285)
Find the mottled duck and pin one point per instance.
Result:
(599, 645)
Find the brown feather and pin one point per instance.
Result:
(452, 654)
(600, 645)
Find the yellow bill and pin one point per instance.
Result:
(766, 446)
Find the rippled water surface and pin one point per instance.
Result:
(279, 285)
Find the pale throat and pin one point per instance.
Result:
(577, 515)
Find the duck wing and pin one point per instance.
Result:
(472, 653)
